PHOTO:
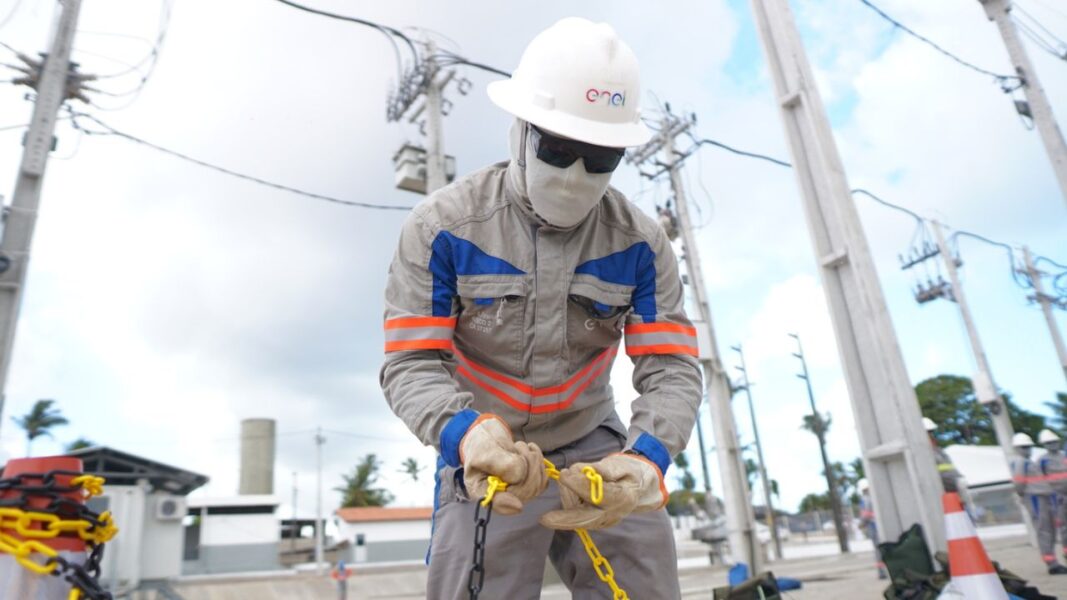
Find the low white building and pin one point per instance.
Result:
(231, 534)
(989, 481)
(147, 500)
(385, 534)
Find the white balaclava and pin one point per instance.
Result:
(561, 198)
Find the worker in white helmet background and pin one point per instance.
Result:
(1036, 494)
(870, 525)
(1053, 466)
(506, 303)
(951, 479)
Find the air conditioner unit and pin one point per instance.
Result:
(170, 508)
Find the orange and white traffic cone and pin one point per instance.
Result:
(973, 575)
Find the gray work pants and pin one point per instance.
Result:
(1043, 515)
(1061, 520)
(640, 548)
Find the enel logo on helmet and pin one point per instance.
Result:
(609, 97)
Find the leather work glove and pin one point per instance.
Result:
(632, 484)
(488, 449)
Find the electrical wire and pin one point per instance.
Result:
(1052, 48)
(704, 141)
(1049, 7)
(385, 29)
(152, 59)
(111, 131)
(10, 14)
(1002, 79)
(447, 58)
(1057, 45)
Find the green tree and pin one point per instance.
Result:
(1059, 411)
(813, 502)
(39, 421)
(949, 400)
(678, 502)
(751, 472)
(817, 423)
(411, 468)
(78, 444)
(358, 488)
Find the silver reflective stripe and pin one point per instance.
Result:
(418, 333)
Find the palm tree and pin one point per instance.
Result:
(412, 468)
(79, 443)
(39, 420)
(358, 490)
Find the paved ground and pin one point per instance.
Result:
(826, 575)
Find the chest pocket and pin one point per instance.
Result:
(491, 326)
(596, 314)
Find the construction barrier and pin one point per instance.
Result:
(51, 544)
(973, 575)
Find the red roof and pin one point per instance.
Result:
(367, 514)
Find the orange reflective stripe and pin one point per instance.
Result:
(407, 322)
(661, 349)
(418, 345)
(527, 406)
(513, 403)
(968, 557)
(640, 328)
(528, 389)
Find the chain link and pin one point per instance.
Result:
(481, 526)
(600, 563)
(61, 515)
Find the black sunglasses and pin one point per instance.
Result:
(561, 152)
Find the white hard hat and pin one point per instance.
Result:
(1021, 439)
(863, 484)
(929, 424)
(577, 79)
(1046, 436)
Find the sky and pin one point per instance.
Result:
(167, 302)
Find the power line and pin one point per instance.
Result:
(771, 159)
(1002, 79)
(111, 131)
(450, 58)
(385, 29)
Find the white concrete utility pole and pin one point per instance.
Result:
(435, 155)
(320, 522)
(740, 520)
(1047, 302)
(772, 519)
(984, 387)
(999, 11)
(20, 218)
(900, 464)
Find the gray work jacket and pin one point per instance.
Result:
(487, 308)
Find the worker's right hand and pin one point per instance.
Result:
(488, 449)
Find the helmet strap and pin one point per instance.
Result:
(522, 145)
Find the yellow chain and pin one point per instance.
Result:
(600, 563)
(20, 521)
(496, 484)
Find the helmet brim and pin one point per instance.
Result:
(508, 97)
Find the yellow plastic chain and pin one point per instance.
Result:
(20, 521)
(600, 564)
(496, 484)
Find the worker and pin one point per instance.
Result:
(506, 301)
(869, 524)
(1036, 495)
(951, 479)
(1053, 466)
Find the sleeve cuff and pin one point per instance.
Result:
(651, 448)
(453, 433)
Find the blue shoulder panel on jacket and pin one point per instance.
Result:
(452, 256)
(453, 434)
(634, 266)
(654, 450)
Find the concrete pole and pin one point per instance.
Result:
(820, 433)
(999, 11)
(708, 500)
(435, 155)
(319, 521)
(740, 520)
(1045, 301)
(772, 519)
(984, 387)
(905, 488)
(21, 216)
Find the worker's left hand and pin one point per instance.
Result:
(632, 484)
